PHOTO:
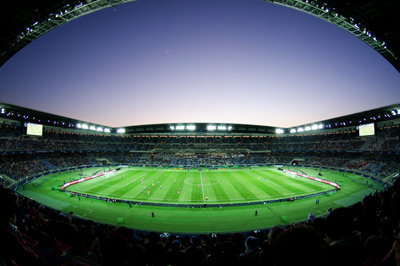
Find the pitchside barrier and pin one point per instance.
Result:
(312, 178)
(106, 174)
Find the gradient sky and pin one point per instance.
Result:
(223, 61)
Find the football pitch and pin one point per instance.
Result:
(193, 201)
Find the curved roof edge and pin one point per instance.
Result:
(357, 22)
(372, 21)
(26, 115)
(59, 14)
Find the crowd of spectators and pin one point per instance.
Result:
(386, 140)
(366, 233)
(23, 156)
(20, 166)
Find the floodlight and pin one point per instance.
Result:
(211, 127)
(92, 128)
(307, 128)
(221, 127)
(190, 127)
(314, 127)
(121, 130)
(229, 127)
(279, 131)
(300, 129)
(293, 130)
(107, 130)
(172, 127)
(321, 126)
(2, 110)
(180, 127)
(99, 129)
(78, 125)
(84, 126)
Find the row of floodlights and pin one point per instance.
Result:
(3, 111)
(300, 129)
(396, 112)
(98, 129)
(80, 126)
(325, 8)
(209, 127)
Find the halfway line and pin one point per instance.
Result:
(201, 181)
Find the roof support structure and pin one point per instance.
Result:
(54, 20)
(311, 7)
(348, 24)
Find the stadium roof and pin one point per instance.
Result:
(375, 22)
(25, 115)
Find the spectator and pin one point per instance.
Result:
(251, 253)
(344, 244)
(298, 245)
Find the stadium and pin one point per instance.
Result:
(201, 193)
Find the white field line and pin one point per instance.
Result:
(202, 189)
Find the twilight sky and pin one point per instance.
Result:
(223, 61)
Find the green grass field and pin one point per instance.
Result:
(221, 187)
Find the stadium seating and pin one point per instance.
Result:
(342, 150)
(361, 235)
(75, 241)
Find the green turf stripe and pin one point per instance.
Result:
(263, 185)
(249, 180)
(226, 184)
(219, 192)
(275, 188)
(242, 190)
(172, 193)
(197, 189)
